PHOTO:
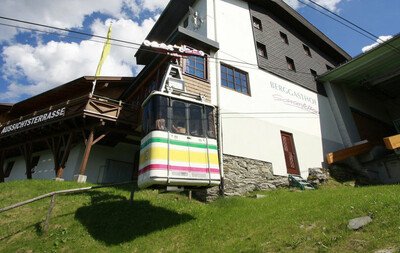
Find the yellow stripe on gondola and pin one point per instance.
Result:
(160, 153)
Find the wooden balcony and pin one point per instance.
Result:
(89, 106)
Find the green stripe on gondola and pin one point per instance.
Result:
(179, 143)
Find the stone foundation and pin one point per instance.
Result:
(244, 175)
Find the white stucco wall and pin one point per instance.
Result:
(252, 124)
(97, 161)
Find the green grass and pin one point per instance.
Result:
(103, 221)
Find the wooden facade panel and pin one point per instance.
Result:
(197, 86)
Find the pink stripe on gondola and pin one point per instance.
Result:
(176, 168)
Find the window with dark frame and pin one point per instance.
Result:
(235, 79)
(261, 50)
(179, 117)
(196, 120)
(290, 64)
(313, 73)
(9, 167)
(186, 22)
(307, 50)
(257, 23)
(284, 38)
(196, 66)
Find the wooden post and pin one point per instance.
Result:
(67, 149)
(54, 145)
(26, 151)
(89, 144)
(2, 158)
(48, 216)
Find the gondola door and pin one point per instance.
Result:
(290, 153)
(179, 166)
(197, 144)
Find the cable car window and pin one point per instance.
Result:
(195, 120)
(147, 117)
(210, 117)
(178, 117)
(160, 105)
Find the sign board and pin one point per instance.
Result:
(174, 50)
(295, 98)
(34, 120)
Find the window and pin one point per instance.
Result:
(234, 79)
(290, 64)
(178, 117)
(195, 120)
(210, 122)
(284, 38)
(313, 73)
(328, 67)
(9, 167)
(261, 50)
(307, 50)
(257, 23)
(196, 66)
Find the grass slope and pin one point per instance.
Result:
(103, 221)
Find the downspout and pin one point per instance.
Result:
(217, 83)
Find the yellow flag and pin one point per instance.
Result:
(104, 54)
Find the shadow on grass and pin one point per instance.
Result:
(112, 221)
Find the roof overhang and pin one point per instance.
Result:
(67, 91)
(176, 10)
(196, 40)
(377, 66)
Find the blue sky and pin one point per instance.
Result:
(32, 62)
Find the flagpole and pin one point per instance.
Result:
(93, 86)
(104, 54)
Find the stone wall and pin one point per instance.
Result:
(244, 175)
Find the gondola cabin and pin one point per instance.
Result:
(179, 147)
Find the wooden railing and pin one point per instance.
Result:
(89, 105)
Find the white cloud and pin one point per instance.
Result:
(54, 63)
(331, 5)
(380, 40)
(153, 5)
(70, 13)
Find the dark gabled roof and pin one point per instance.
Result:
(5, 107)
(177, 9)
(68, 91)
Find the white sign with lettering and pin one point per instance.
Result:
(34, 120)
(294, 98)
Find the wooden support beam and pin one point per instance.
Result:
(392, 142)
(99, 138)
(343, 154)
(89, 144)
(65, 155)
(26, 151)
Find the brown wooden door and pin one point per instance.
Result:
(290, 153)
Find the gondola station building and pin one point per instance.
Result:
(253, 64)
